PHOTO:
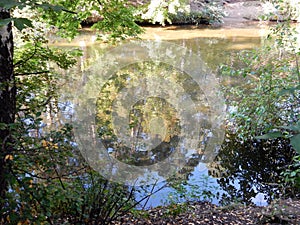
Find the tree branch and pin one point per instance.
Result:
(32, 73)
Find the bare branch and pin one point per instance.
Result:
(32, 73)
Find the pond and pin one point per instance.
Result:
(160, 112)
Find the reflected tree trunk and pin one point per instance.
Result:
(7, 101)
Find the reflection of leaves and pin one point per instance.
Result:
(144, 113)
(256, 164)
(294, 135)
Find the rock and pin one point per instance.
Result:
(247, 10)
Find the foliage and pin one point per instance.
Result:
(158, 11)
(267, 106)
(292, 132)
(259, 105)
(213, 12)
(292, 176)
(257, 166)
(286, 42)
(187, 18)
(118, 23)
(204, 17)
(280, 10)
(179, 12)
(116, 18)
(270, 96)
(49, 182)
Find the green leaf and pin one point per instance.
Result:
(3, 126)
(38, 114)
(272, 135)
(4, 22)
(21, 23)
(294, 173)
(295, 142)
(292, 127)
(8, 4)
(56, 8)
(289, 90)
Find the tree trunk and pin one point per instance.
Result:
(7, 102)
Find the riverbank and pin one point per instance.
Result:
(242, 12)
(278, 212)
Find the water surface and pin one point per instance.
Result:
(235, 174)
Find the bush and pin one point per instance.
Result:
(267, 105)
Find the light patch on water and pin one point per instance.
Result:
(259, 199)
(189, 32)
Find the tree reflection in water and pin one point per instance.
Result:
(252, 167)
(242, 169)
(151, 118)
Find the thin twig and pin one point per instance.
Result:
(153, 186)
(32, 73)
(57, 174)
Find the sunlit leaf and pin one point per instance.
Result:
(8, 157)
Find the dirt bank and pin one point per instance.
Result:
(279, 212)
